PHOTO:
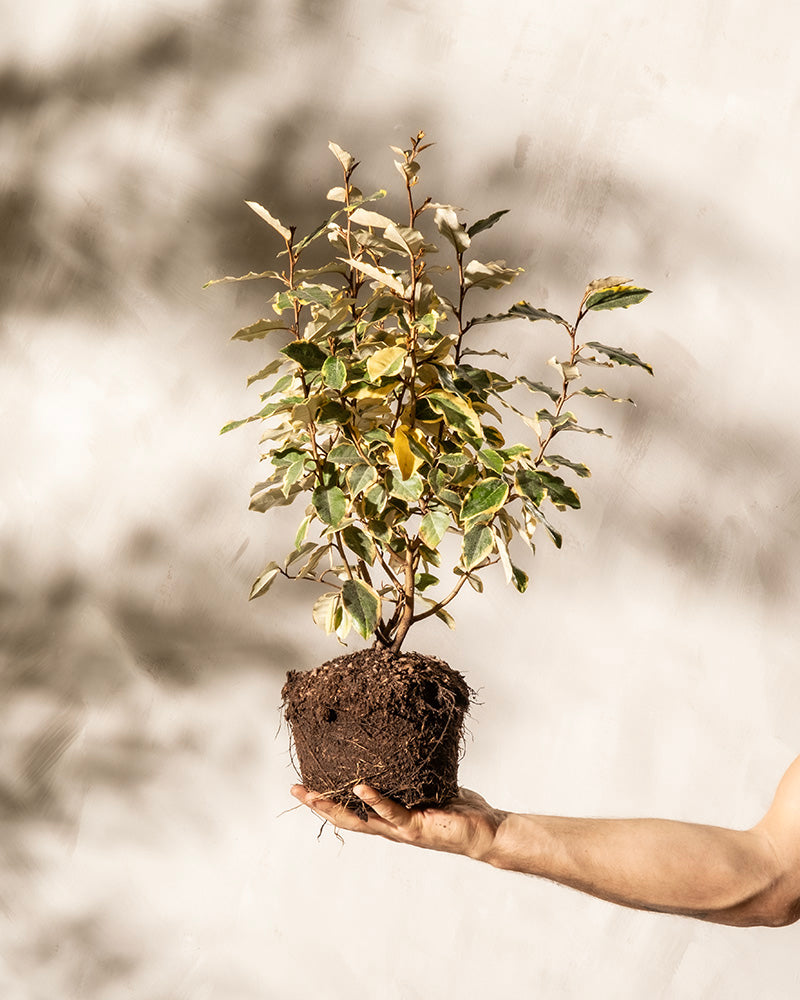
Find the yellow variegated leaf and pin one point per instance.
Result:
(407, 461)
(372, 392)
(601, 283)
(457, 412)
(386, 361)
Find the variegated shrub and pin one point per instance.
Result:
(381, 418)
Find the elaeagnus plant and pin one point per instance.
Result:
(383, 419)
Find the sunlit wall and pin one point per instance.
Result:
(145, 846)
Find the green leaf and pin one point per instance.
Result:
(332, 267)
(313, 235)
(602, 392)
(385, 362)
(520, 579)
(270, 369)
(568, 371)
(265, 580)
(344, 454)
(471, 351)
(474, 581)
(302, 531)
(265, 501)
(616, 297)
(259, 329)
(490, 318)
(515, 451)
(378, 435)
(601, 283)
(484, 498)
(333, 413)
(450, 498)
(408, 170)
(327, 611)
(557, 460)
(276, 224)
(529, 484)
(380, 274)
(477, 545)
(308, 295)
(493, 274)
(422, 581)
(448, 225)
(360, 542)
(307, 571)
(281, 385)
(619, 356)
(434, 525)
(409, 489)
(305, 354)
(531, 313)
(294, 472)
(374, 220)
(551, 531)
(492, 459)
(375, 500)
(360, 477)
(380, 530)
(559, 492)
(482, 224)
(443, 615)
(298, 553)
(454, 460)
(330, 504)
(250, 276)
(405, 240)
(554, 394)
(456, 411)
(347, 161)
(502, 551)
(234, 424)
(334, 373)
(361, 601)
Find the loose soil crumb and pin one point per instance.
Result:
(392, 720)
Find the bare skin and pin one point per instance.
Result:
(737, 877)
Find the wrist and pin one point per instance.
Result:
(515, 844)
(492, 849)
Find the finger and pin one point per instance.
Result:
(339, 816)
(387, 809)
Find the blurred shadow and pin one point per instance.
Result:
(79, 253)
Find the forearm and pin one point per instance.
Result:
(726, 876)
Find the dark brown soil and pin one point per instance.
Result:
(392, 720)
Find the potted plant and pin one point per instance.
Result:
(382, 417)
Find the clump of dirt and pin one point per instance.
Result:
(392, 720)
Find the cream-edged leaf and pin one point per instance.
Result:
(276, 224)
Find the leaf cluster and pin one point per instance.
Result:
(374, 412)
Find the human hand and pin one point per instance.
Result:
(467, 825)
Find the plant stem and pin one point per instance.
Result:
(562, 398)
(407, 615)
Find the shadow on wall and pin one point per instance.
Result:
(77, 652)
(113, 153)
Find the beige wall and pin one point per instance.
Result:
(651, 668)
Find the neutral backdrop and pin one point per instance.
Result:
(148, 849)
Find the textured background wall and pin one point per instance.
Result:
(650, 669)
